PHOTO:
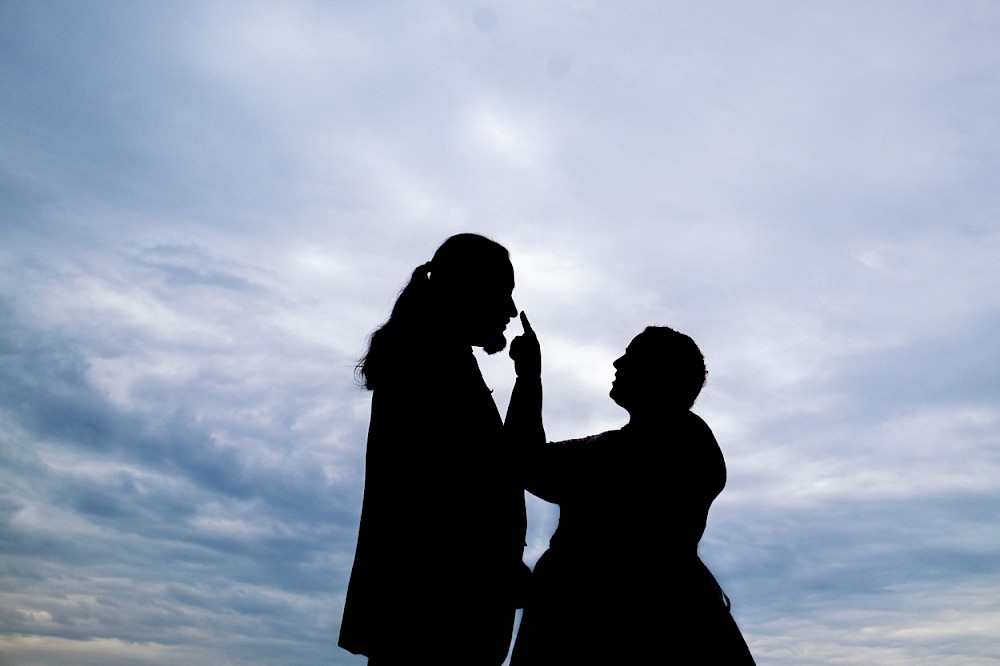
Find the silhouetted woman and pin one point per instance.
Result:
(621, 581)
(438, 566)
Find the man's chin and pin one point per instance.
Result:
(495, 344)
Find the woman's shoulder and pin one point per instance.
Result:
(589, 441)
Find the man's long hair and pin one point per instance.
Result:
(419, 307)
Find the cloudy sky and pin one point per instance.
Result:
(205, 207)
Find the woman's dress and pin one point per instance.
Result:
(622, 580)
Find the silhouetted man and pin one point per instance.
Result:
(438, 570)
(621, 582)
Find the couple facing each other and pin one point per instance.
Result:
(438, 568)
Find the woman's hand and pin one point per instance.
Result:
(526, 352)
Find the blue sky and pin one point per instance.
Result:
(205, 207)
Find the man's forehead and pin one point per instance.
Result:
(497, 275)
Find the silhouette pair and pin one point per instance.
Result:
(438, 571)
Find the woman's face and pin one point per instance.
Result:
(630, 375)
(640, 375)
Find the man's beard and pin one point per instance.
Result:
(495, 343)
